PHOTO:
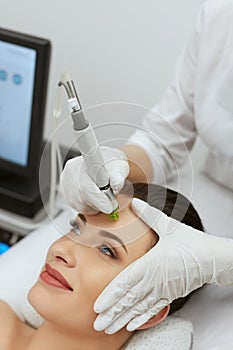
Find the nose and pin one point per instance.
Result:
(63, 251)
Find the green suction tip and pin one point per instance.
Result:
(114, 215)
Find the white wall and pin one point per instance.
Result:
(121, 50)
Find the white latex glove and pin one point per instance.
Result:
(81, 193)
(182, 261)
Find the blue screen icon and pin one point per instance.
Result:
(17, 79)
(3, 75)
(3, 247)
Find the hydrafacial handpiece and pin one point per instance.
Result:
(89, 147)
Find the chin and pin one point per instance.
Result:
(34, 297)
(42, 302)
(55, 307)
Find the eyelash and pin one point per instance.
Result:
(74, 227)
(111, 254)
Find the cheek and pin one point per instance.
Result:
(94, 277)
(91, 281)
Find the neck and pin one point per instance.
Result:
(49, 336)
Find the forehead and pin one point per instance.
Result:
(128, 227)
(126, 218)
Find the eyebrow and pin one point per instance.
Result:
(82, 217)
(104, 233)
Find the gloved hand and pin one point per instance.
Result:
(81, 193)
(183, 260)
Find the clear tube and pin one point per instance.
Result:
(56, 159)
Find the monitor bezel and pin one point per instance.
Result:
(43, 49)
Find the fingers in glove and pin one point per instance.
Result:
(135, 316)
(120, 322)
(153, 217)
(116, 182)
(122, 284)
(96, 199)
(144, 211)
(141, 319)
(118, 167)
(105, 319)
(129, 301)
(108, 298)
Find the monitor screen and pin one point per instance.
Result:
(17, 74)
(24, 69)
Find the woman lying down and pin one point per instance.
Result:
(80, 265)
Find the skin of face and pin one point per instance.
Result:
(89, 262)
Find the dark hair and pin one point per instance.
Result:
(174, 205)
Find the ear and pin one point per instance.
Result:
(156, 319)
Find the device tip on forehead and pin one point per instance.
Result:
(114, 215)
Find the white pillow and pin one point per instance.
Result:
(175, 333)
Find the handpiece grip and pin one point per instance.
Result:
(89, 147)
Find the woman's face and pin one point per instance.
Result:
(88, 262)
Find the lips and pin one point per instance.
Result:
(54, 278)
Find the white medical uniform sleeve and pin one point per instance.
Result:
(168, 132)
